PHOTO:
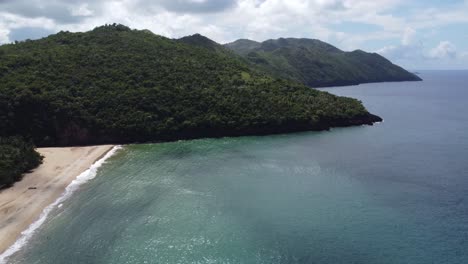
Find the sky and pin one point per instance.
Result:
(418, 34)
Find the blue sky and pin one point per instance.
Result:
(414, 34)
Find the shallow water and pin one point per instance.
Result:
(396, 192)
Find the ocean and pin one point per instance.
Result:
(395, 192)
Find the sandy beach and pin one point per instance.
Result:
(23, 203)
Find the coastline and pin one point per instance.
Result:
(23, 204)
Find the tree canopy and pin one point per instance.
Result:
(318, 64)
(16, 157)
(117, 85)
(114, 84)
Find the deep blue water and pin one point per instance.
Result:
(396, 192)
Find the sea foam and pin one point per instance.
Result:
(71, 188)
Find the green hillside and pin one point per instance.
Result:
(16, 157)
(116, 85)
(318, 64)
(204, 42)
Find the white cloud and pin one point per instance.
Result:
(443, 56)
(81, 10)
(227, 20)
(444, 50)
(259, 19)
(11, 21)
(4, 32)
(402, 52)
(410, 47)
(331, 4)
(409, 36)
(433, 17)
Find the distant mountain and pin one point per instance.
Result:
(202, 41)
(118, 85)
(318, 64)
(243, 46)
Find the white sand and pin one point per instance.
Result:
(21, 206)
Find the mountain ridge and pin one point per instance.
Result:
(318, 64)
(114, 84)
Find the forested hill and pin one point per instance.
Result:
(318, 64)
(204, 42)
(117, 85)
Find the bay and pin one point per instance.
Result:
(395, 192)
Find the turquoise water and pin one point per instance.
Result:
(396, 192)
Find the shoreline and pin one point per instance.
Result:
(26, 203)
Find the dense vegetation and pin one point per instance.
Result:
(318, 64)
(117, 85)
(204, 42)
(16, 157)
